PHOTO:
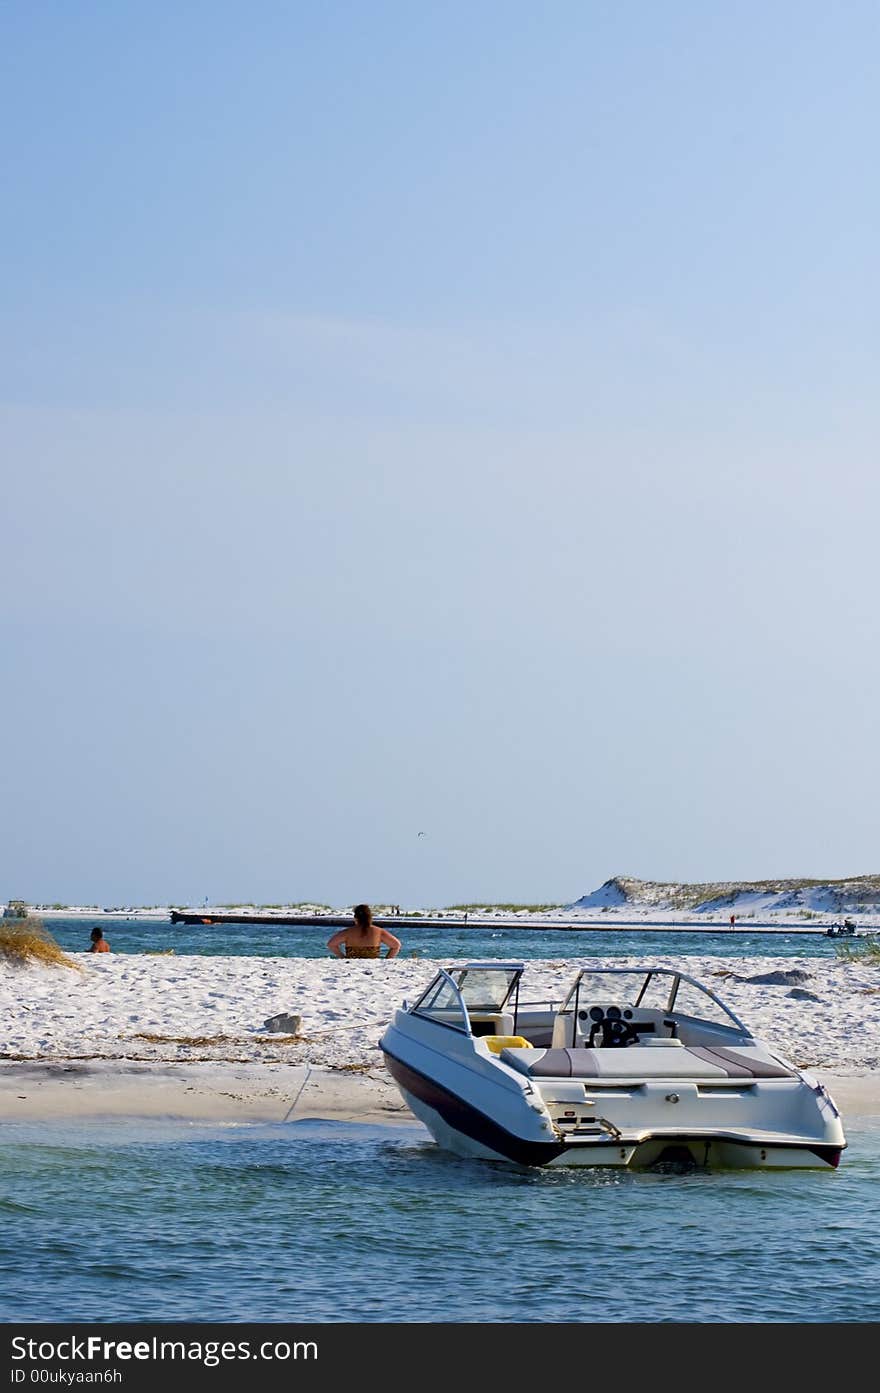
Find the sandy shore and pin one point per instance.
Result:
(142, 1036)
(37, 1091)
(824, 1014)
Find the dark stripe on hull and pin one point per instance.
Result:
(464, 1118)
(829, 1154)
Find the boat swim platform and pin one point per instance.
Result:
(457, 921)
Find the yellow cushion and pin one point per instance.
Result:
(497, 1043)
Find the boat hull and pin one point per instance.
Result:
(460, 1127)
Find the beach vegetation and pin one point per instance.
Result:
(854, 892)
(203, 1040)
(508, 908)
(26, 941)
(861, 950)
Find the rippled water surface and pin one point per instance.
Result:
(318, 1221)
(437, 941)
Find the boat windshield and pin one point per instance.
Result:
(478, 987)
(442, 1003)
(651, 987)
(485, 988)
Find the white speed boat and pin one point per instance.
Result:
(634, 1067)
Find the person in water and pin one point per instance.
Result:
(364, 939)
(99, 942)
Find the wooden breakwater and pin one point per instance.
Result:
(458, 921)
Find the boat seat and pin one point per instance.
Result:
(553, 1063)
(633, 1062)
(498, 1043)
(562, 1028)
(489, 1023)
(743, 1063)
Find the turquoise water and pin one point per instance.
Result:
(318, 1221)
(435, 941)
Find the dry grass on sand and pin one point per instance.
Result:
(27, 941)
(865, 950)
(217, 1039)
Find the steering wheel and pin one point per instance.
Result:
(616, 1033)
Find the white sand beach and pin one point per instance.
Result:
(212, 1092)
(202, 1092)
(184, 1036)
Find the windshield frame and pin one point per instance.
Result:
(456, 979)
(649, 973)
(436, 981)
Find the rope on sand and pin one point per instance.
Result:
(299, 1092)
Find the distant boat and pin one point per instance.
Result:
(16, 909)
(847, 929)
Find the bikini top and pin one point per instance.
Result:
(351, 951)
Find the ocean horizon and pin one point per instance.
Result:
(436, 939)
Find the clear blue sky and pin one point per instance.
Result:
(457, 419)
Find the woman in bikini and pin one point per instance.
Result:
(364, 939)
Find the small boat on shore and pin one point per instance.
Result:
(635, 1067)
